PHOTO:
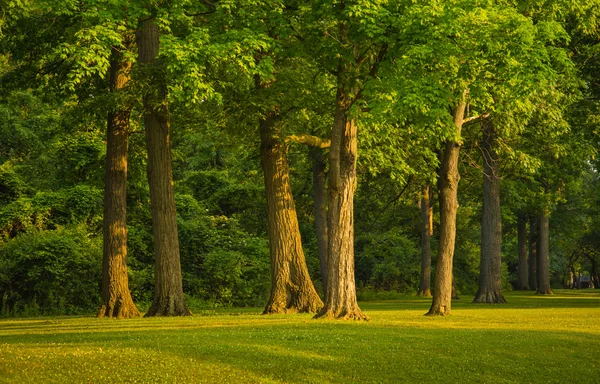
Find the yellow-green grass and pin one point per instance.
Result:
(532, 339)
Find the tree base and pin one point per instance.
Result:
(489, 298)
(438, 311)
(424, 293)
(344, 314)
(119, 310)
(300, 304)
(544, 292)
(169, 306)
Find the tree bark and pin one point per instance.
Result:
(291, 287)
(168, 292)
(320, 210)
(448, 190)
(426, 232)
(340, 301)
(523, 283)
(543, 261)
(533, 236)
(490, 266)
(116, 297)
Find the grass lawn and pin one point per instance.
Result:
(532, 339)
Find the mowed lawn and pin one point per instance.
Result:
(531, 339)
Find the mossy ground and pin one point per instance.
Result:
(532, 339)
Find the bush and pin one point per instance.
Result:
(51, 272)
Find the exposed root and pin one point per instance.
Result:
(438, 311)
(425, 293)
(119, 310)
(353, 314)
(169, 306)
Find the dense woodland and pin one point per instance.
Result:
(297, 156)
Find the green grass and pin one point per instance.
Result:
(532, 339)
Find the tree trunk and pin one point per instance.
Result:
(533, 236)
(320, 210)
(490, 267)
(291, 287)
(448, 190)
(340, 301)
(426, 232)
(168, 292)
(523, 283)
(454, 291)
(543, 263)
(116, 297)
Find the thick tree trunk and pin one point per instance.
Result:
(543, 263)
(116, 297)
(320, 210)
(168, 292)
(426, 232)
(533, 241)
(340, 301)
(523, 283)
(291, 287)
(448, 190)
(490, 267)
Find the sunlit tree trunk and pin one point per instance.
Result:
(168, 291)
(448, 190)
(543, 264)
(490, 267)
(426, 232)
(340, 301)
(533, 242)
(116, 297)
(320, 210)
(523, 281)
(291, 287)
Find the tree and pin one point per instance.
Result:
(168, 292)
(426, 233)
(523, 280)
(490, 283)
(116, 297)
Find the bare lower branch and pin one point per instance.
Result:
(311, 141)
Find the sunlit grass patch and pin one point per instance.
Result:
(530, 339)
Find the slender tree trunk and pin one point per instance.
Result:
(533, 236)
(168, 292)
(116, 297)
(291, 287)
(522, 250)
(449, 178)
(320, 210)
(426, 232)
(340, 301)
(490, 267)
(543, 263)
(454, 291)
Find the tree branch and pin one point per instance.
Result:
(311, 141)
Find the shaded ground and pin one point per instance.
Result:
(531, 339)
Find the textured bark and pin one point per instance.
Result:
(340, 301)
(523, 282)
(320, 210)
(426, 232)
(291, 287)
(533, 236)
(543, 259)
(168, 291)
(448, 190)
(490, 266)
(116, 297)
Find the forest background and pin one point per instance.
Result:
(235, 78)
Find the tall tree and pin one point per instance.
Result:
(543, 257)
(291, 287)
(116, 297)
(523, 279)
(490, 267)
(533, 245)
(426, 233)
(168, 291)
(320, 210)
